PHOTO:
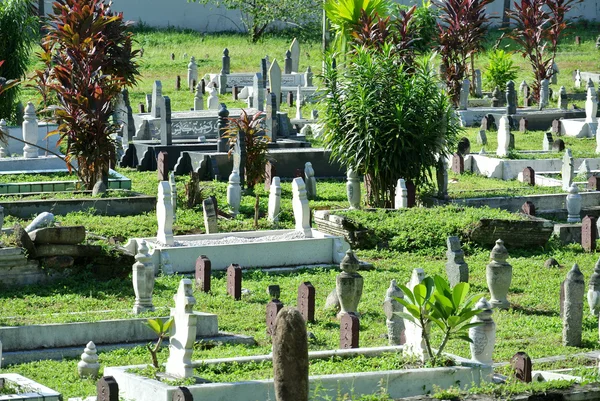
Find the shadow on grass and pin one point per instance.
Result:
(533, 312)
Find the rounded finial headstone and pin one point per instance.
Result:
(499, 252)
(349, 264)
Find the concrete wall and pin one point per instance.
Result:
(180, 13)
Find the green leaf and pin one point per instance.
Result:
(155, 325)
(459, 292)
(408, 317)
(407, 292)
(167, 325)
(420, 292)
(465, 338)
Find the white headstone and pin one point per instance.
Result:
(591, 106)
(30, 132)
(503, 137)
(234, 192)
(275, 81)
(199, 98)
(299, 103)
(88, 366)
(192, 73)
(311, 181)
(483, 337)
(478, 89)
(464, 95)
(274, 200)
(577, 79)
(183, 332)
(415, 345)
(544, 93)
(212, 103)
(300, 207)
(562, 98)
(164, 214)
(43, 219)
(573, 205)
(353, 189)
(173, 185)
(157, 105)
(401, 199)
(4, 142)
(295, 51)
(143, 279)
(567, 170)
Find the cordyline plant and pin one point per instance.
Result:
(461, 32)
(256, 142)
(435, 302)
(538, 26)
(88, 58)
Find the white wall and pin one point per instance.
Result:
(180, 13)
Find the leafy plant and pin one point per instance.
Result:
(423, 25)
(461, 32)
(88, 58)
(500, 69)
(538, 26)
(345, 15)
(257, 15)
(385, 122)
(256, 144)
(18, 29)
(161, 329)
(450, 309)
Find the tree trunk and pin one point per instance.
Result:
(505, 19)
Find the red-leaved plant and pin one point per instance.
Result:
(538, 26)
(461, 31)
(88, 58)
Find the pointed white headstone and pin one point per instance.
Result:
(183, 332)
(300, 207)
(164, 214)
(295, 50)
(275, 80)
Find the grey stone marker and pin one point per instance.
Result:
(295, 54)
(521, 365)
(481, 137)
(271, 120)
(558, 145)
(288, 63)
(88, 366)
(574, 288)
(511, 98)
(290, 356)
(442, 178)
(258, 92)
(547, 141)
(222, 143)
(593, 295)
(562, 98)
(499, 276)
(573, 204)
(464, 95)
(544, 94)
(528, 208)
(225, 62)
(478, 91)
(311, 181)
(308, 77)
(143, 279)
(199, 98)
(483, 337)
(456, 267)
(210, 216)
(496, 97)
(567, 170)
(394, 323)
(349, 284)
(155, 100)
(353, 189)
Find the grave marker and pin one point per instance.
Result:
(275, 81)
(567, 170)
(394, 323)
(573, 204)
(300, 207)
(503, 137)
(464, 146)
(192, 73)
(464, 95)
(162, 166)
(574, 292)
(562, 98)
(353, 189)
(558, 145)
(287, 62)
(529, 176)
(203, 273)
(164, 214)
(225, 62)
(511, 98)
(456, 267)
(30, 132)
(183, 332)
(521, 365)
(274, 206)
(107, 389)
(481, 137)
(523, 123)
(274, 291)
(295, 55)
(588, 233)
(210, 216)
(306, 301)
(556, 126)
(499, 276)
(311, 182)
(234, 281)
(290, 99)
(401, 198)
(483, 337)
(458, 163)
(273, 308)
(143, 279)
(270, 172)
(178, 83)
(547, 141)
(593, 183)
(182, 394)
(349, 330)
(528, 208)
(484, 124)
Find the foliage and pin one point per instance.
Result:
(461, 32)
(161, 329)
(423, 25)
(6, 84)
(537, 30)
(257, 15)
(384, 122)
(433, 301)
(500, 69)
(88, 58)
(18, 28)
(345, 15)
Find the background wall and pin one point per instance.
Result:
(180, 13)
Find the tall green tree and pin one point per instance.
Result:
(18, 29)
(258, 15)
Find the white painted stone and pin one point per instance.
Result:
(198, 98)
(173, 185)
(30, 132)
(212, 102)
(567, 170)
(584, 169)
(503, 137)
(295, 53)
(210, 216)
(483, 336)
(478, 86)
(234, 192)
(157, 107)
(401, 199)
(394, 323)
(591, 106)
(415, 344)
(574, 288)
(143, 279)
(577, 79)
(573, 205)
(274, 200)
(166, 267)
(183, 332)
(164, 214)
(593, 294)
(499, 276)
(89, 366)
(562, 98)
(299, 103)
(258, 92)
(43, 219)
(275, 81)
(522, 88)
(353, 189)
(4, 143)
(464, 95)
(300, 207)
(192, 73)
(544, 93)
(311, 181)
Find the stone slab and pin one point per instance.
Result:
(58, 235)
(76, 251)
(515, 233)
(541, 202)
(35, 391)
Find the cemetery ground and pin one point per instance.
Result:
(403, 240)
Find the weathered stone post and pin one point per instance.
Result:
(353, 189)
(483, 336)
(143, 279)
(394, 323)
(30, 132)
(574, 288)
(349, 284)
(456, 267)
(183, 332)
(499, 276)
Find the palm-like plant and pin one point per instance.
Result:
(434, 302)
(344, 17)
(161, 329)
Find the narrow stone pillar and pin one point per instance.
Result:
(353, 189)
(574, 288)
(499, 276)
(30, 132)
(143, 279)
(349, 284)
(394, 323)
(483, 337)
(183, 332)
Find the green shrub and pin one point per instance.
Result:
(423, 25)
(500, 70)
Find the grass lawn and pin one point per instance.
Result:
(416, 238)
